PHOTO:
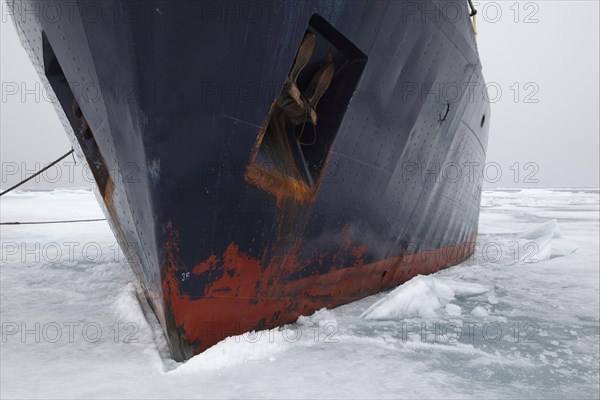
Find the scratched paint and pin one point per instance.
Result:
(245, 293)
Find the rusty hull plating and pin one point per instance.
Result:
(258, 167)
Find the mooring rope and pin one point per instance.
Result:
(45, 222)
(37, 173)
(52, 222)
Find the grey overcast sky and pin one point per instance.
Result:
(540, 59)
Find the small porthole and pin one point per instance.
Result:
(482, 120)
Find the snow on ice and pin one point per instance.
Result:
(517, 320)
(422, 296)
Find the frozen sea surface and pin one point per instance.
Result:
(518, 320)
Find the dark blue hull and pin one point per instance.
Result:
(176, 101)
